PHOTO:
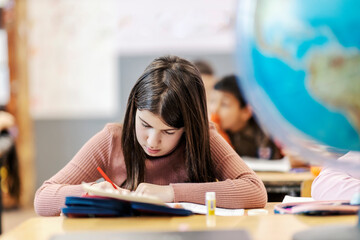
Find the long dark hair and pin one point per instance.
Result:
(170, 87)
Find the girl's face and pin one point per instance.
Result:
(232, 116)
(154, 136)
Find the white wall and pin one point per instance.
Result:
(85, 56)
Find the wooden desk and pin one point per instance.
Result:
(285, 182)
(280, 178)
(270, 226)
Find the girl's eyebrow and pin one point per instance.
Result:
(170, 129)
(143, 121)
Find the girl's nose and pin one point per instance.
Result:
(153, 139)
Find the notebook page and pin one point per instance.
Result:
(201, 209)
(290, 199)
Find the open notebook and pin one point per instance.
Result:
(99, 202)
(201, 209)
(125, 196)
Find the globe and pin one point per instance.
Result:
(299, 68)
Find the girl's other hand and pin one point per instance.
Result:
(164, 192)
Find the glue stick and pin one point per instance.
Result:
(210, 203)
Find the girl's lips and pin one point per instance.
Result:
(152, 151)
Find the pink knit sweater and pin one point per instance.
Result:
(338, 184)
(238, 186)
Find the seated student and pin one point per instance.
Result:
(6, 120)
(6, 140)
(208, 78)
(164, 148)
(236, 119)
(337, 184)
(9, 160)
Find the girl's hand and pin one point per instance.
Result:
(164, 192)
(106, 185)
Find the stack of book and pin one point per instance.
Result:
(99, 202)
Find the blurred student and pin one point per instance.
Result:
(235, 117)
(6, 140)
(208, 76)
(10, 180)
(164, 148)
(337, 184)
(6, 120)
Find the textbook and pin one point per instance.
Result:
(98, 202)
(273, 165)
(291, 199)
(317, 208)
(116, 194)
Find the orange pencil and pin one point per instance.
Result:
(106, 177)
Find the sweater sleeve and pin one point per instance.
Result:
(238, 185)
(335, 184)
(50, 197)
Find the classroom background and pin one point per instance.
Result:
(68, 67)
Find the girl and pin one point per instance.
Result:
(337, 184)
(237, 122)
(164, 148)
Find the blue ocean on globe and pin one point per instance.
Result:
(299, 67)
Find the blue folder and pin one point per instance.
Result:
(111, 207)
(87, 212)
(152, 209)
(96, 207)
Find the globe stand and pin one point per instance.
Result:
(345, 232)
